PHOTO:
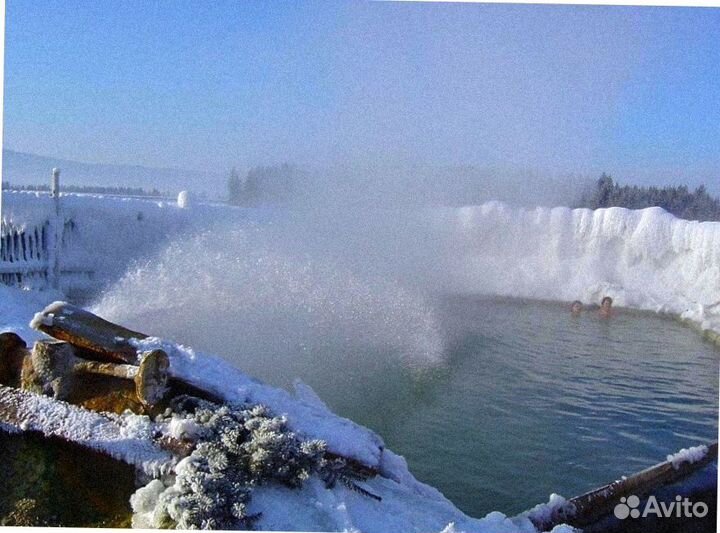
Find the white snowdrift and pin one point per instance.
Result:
(645, 259)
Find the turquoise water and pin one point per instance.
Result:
(531, 400)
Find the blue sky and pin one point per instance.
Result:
(209, 85)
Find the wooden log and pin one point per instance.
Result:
(151, 380)
(13, 350)
(10, 341)
(96, 338)
(592, 506)
(53, 375)
(102, 339)
(59, 372)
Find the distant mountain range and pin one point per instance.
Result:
(21, 168)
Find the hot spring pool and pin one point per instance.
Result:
(529, 400)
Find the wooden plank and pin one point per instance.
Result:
(89, 332)
(592, 506)
(102, 432)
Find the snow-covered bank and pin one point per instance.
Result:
(645, 259)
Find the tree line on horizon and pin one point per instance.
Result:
(678, 200)
(262, 185)
(273, 185)
(87, 189)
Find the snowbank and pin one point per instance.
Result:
(645, 259)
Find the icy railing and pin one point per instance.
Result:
(24, 253)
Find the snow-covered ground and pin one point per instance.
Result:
(644, 259)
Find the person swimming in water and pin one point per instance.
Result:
(576, 308)
(605, 310)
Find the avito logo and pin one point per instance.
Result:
(680, 508)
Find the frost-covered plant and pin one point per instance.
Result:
(272, 452)
(237, 448)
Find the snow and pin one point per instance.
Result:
(183, 429)
(305, 393)
(549, 512)
(688, 455)
(18, 307)
(41, 319)
(143, 503)
(317, 508)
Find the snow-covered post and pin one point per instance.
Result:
(55, 185)
(2, 87)
(56, 233)
(183, 200)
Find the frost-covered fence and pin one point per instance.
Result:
(31, 253)
(24, 255)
